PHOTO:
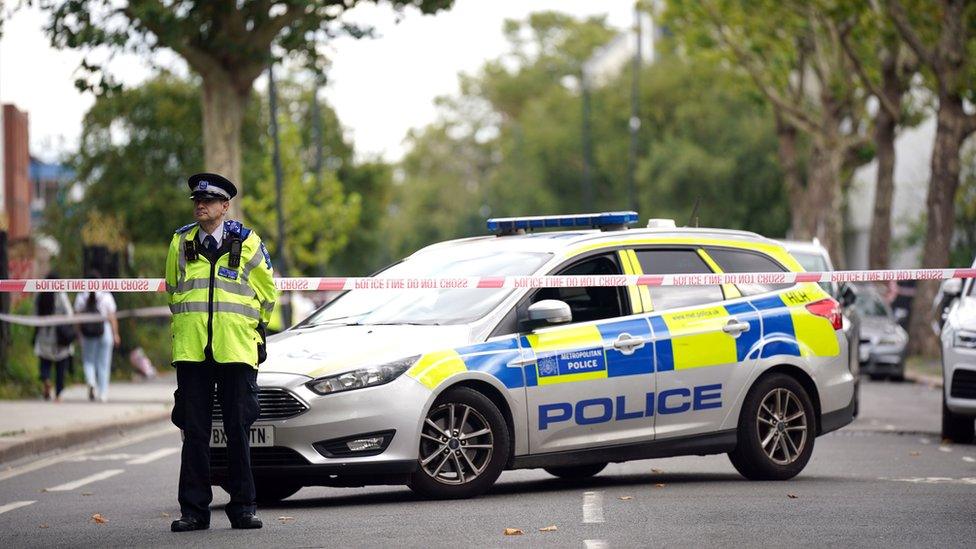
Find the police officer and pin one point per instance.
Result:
(221, 294)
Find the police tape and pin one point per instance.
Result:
(81, 318)
(500, 282)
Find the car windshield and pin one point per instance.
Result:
(434, 306)
(811, 262)
(869, 304)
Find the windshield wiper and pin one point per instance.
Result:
(334, 321)
(400, 324)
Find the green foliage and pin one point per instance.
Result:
(510, 143)
(21, 372)
(964, 244)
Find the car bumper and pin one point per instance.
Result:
(959, 375)
(882, 359)
(396, 408)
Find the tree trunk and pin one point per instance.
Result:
(823, 199)
(879, 255)
(949, 136)
(223, 116)
(788, 161)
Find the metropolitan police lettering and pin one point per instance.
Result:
(573, 362)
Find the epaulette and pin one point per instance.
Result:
(236, 228)
(186, 228)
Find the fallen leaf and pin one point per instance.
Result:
(625, 498)
(656, 471)
(44, 526)
(286, 519)
(914, 453)
(86, 493)
(97, 518)
(165, 515)
(792, 496)
(513, 532)
(946, 441)
(548, 528)
(659, 485)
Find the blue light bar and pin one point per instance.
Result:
(605, 220)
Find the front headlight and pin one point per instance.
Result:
(965, 339)
(363, 377)
(896, 336)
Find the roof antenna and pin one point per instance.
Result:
(694, 212)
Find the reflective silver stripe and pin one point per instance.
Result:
(170, 288)
(182, 256)
(204, 283)
(268, 307)
(224, 307)
(254, 262)
(218, 307)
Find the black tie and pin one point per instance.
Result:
(210, 243)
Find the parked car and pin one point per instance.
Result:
(882, 340)
(814, 257)
(959, 361)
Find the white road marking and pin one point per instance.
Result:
(968, 459)
(595, 543)
(153, 456)
(104, 457)
(87, 480)
(934, 480)
(945, 449)
(47, 462)
(14, 505)
(592, 507)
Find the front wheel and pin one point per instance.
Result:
(576, 472)
(776, 430)
(464, 445)
(957, 428)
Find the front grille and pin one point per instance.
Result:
(963, 384)
(274, 456)
(275, 404)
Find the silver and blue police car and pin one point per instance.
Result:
(442, 389)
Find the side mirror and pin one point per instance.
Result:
(548, 311)
(952, 287)
(848, 295)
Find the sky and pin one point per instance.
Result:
(379, 87)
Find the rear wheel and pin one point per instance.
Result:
(955, 427)
(776, 430)
(464, 445)
(576, 472)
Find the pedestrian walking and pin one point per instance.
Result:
(221, 294)
(52, 344)
(98, 339)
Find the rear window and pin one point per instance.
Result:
(663, 262)
(742, 261)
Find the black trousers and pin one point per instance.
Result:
(60, 368)
(238, 393)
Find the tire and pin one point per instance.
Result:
(576, 472)
(274, 491)
(857, 399)
(955, 427)
(762, 418)
(460, 472)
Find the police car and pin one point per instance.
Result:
(443, 389)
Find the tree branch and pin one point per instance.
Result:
(897, 15)
(893, 110)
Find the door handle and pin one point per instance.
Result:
(735, 328)
(627, 344)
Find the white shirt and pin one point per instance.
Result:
(218, 234)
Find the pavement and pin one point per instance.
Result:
(30, 427)
(865, 486)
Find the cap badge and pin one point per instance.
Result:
(202, 186)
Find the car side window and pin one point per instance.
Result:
(590, 303)
(677, 261)
(743, 261)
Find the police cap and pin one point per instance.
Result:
(211, 185)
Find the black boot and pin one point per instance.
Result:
(188, 524)
(247, 521)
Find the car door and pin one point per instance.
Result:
(587, 381)
(703, 343)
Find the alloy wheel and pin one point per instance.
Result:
(782, 426)
(456, 443)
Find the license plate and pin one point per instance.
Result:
(261, 435)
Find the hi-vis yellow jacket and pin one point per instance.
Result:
(216, 308)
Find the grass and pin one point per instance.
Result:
(924, 365)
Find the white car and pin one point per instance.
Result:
(443, 389)
(959, 362)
